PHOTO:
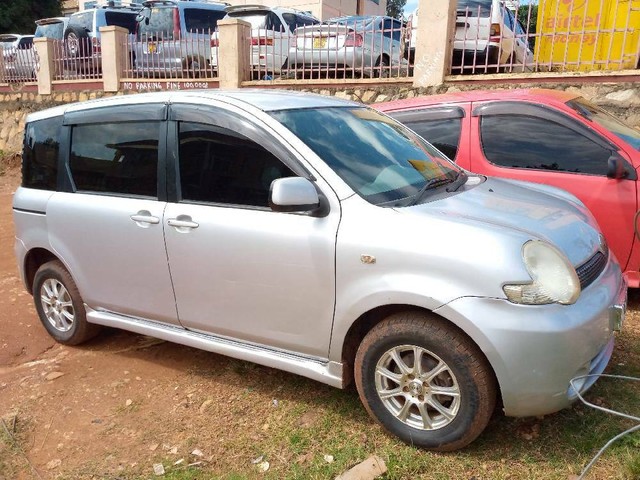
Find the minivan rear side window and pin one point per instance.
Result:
(118, 158)
(121, 19)
(40, 153)
(201, 20)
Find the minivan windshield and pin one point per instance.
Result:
(606, 120)
(380, 159)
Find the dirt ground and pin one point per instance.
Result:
(121, 402)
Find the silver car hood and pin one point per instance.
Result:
(537, 213)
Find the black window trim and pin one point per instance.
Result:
(118, 113)
(428, 114)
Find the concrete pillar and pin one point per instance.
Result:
(46, 67)
(113, 43)
(234, 63)
(434, 41)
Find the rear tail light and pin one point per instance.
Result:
(215, 42)
(353, 40)
(95, 43)
(494, 31)
(261, 41)
(176, 24)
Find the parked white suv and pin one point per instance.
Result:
(272, 31)
(321, 237)
(489, 37)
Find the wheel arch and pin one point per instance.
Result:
(363, 325)
(35, 258)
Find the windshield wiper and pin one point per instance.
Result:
(430, 185)
(460, 180)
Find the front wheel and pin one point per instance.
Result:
(59, 305)
(425, 382)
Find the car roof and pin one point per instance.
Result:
(531, 94)
(252, 7)
(48, 21)
(263, 99)
(186, 3)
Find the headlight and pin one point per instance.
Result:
(554, 279)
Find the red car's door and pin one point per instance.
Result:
(529, 142)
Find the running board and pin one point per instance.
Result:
(315, 369)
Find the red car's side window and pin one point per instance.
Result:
(444, 134)
(519, 141)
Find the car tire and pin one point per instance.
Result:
(59, 305)
(77, 43)
(192, 66)
(382, 67)
(398, 393)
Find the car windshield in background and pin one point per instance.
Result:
(606, 120)
(476, 8)
(50, 30)
(379, 158)
(124, 20)
(355, 23)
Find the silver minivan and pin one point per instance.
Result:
(321, 237)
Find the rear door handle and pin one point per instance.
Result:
(182, 223)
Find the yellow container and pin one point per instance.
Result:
(588, 34)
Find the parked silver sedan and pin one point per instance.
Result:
(321, 237)
(355, 46)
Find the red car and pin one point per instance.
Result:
(545, 136)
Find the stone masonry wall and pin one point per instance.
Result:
(621, 99)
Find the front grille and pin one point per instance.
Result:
(591, 269)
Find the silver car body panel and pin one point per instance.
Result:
(272, 301)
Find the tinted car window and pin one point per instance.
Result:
(527, 142)
(25, 43)
(473, 7)
(198, 20)
(160, 22)
(40, 154)
(122, 19)
(220, 166)
(443, 134)
(118, 158)
(84, 20)
(50, 30)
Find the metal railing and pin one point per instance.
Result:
(547, 35)
(18, 65)
(162, 55)
(80, 59)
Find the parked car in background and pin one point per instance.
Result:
(318, 236)
(82, 35)
(350, 46)
(489, 37)
(51, 27)
(18, 58)
(543, 136)
(272, 30)
(174, 37)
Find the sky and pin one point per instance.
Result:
(410, 7)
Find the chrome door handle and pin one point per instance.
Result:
(179, 223)
(145, 217)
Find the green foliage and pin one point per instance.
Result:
(525, 19)
(395, 7)
(18, 16)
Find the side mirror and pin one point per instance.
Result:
(616, 167)
(293, 194)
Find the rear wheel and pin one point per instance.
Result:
(59, 305)
(382, 67)
(425, 382)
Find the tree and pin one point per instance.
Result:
(395, 7)
(18, 16)
(523, 16)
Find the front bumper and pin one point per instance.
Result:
(536, 350)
